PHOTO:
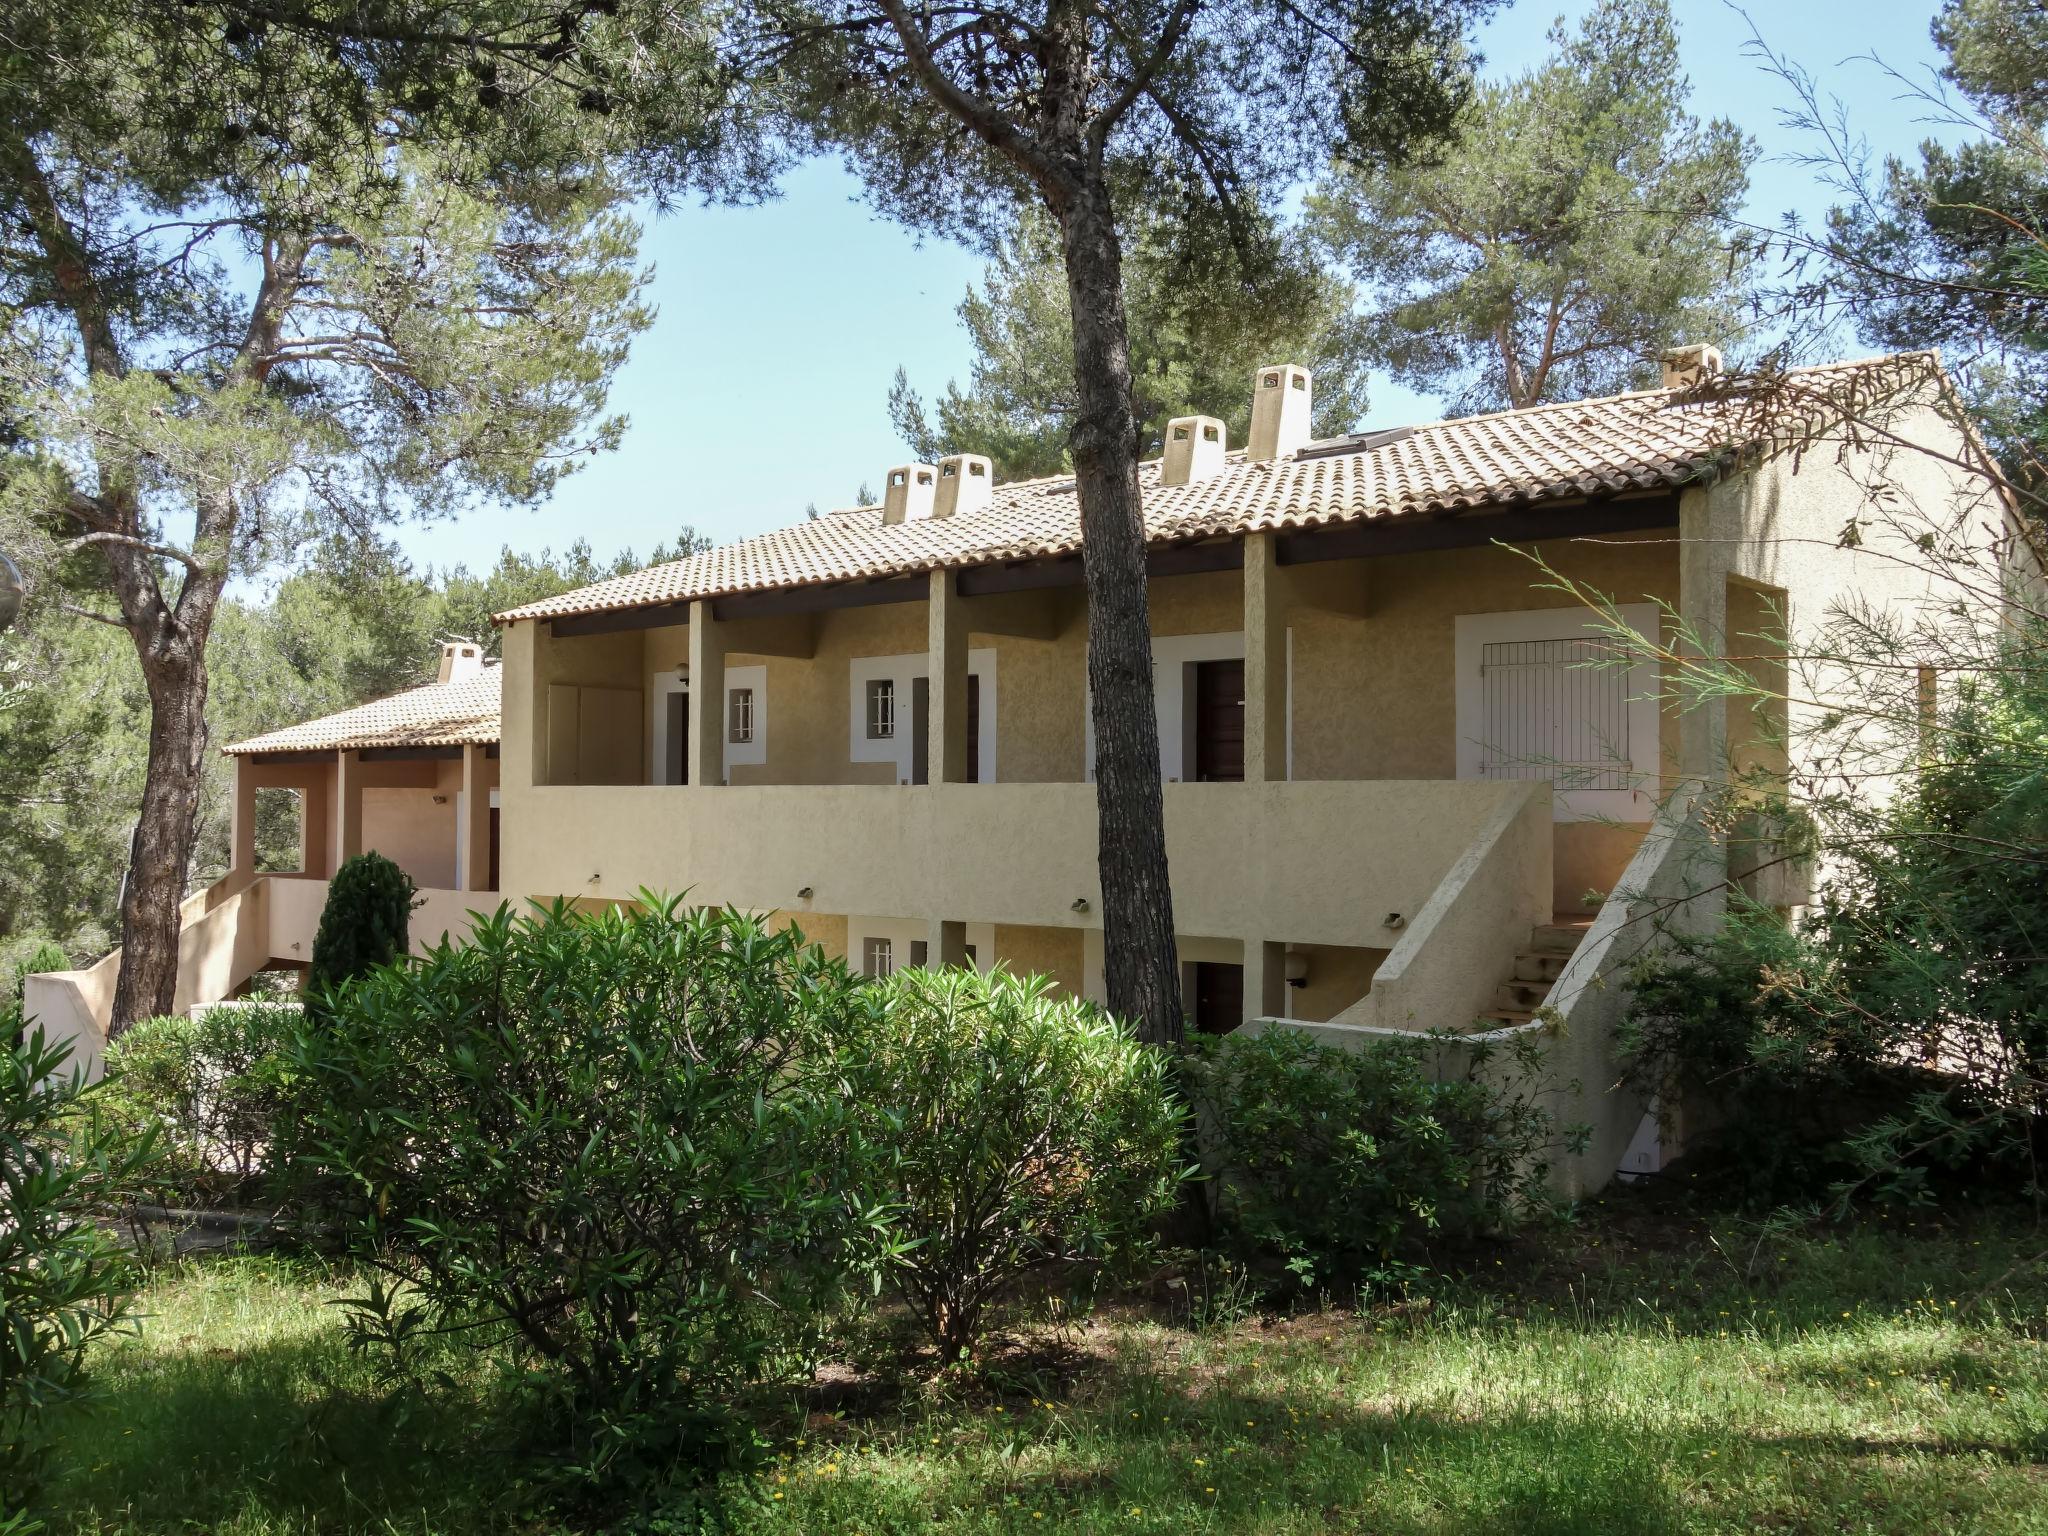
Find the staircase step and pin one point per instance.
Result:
(1538, 965)
(1522, 994)
(1558, 938)
(1501, 1018)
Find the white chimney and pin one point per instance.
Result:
(1686, 367)
(907, 493)
(460, 659)
(967, 483)
(1280, 411)
(1194, 450)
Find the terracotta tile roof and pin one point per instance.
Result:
(461, 712)
(1651, 440)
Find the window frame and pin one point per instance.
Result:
(739, 716)
(1475, 631)
(878, 691)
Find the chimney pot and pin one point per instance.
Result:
(967, 483)
(1281, 402)
(907, 493)
(460, 659)
(1686, 367)
(1195, 446)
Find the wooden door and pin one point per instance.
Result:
(676, 754)
(973, 729)
(1219, 997)
(920, 737)
(1219, 721)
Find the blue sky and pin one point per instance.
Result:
(763, 383)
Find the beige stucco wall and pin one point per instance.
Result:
(1781, 528)
(1310, 863)
(408, 828)
(1337, 977)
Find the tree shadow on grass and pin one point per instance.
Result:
(1152, 1455)
(283, 1435)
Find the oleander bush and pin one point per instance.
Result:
(214, 1091)
(64, 1280)
(1347, 1165)
(617, 1146)
(1023, 1132)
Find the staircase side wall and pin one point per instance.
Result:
(1461, 946)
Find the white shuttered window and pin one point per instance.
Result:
(1557, 710)
(1542, 695)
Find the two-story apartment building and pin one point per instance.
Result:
(1404, 771)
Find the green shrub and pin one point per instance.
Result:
(214, 1089)
(616, 1144)
(1345, 1164)
(365, 923)
(1791, 1087)
(64, 1282)
(1023, 1131)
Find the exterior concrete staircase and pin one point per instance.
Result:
(1537, 967)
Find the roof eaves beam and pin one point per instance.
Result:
(408, 754)
(660, 616)
(1066, 571)
(846, 594)
(1408, 535)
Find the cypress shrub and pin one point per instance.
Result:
(365, 923)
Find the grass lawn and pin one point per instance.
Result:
(1644, 1372)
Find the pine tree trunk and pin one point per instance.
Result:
(160, 855)
(1141, 967)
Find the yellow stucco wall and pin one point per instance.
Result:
(1375, 691)
(1028, 950)
(827, 930)
(1337, 977)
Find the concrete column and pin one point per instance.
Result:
(1265, 662)
(242, 855)
(1703, 563)
(316, 824)
(1705, 556)
(947, 644)
(473, 828)
(947, 944)
(707, 696)
(348, 796)
(1265, 978)
(523, 715)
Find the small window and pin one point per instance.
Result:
(741, 710)
(878, 957)
(881, 709)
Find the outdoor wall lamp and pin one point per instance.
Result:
(1395, 920)
(1080, 904)
(804, 893)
